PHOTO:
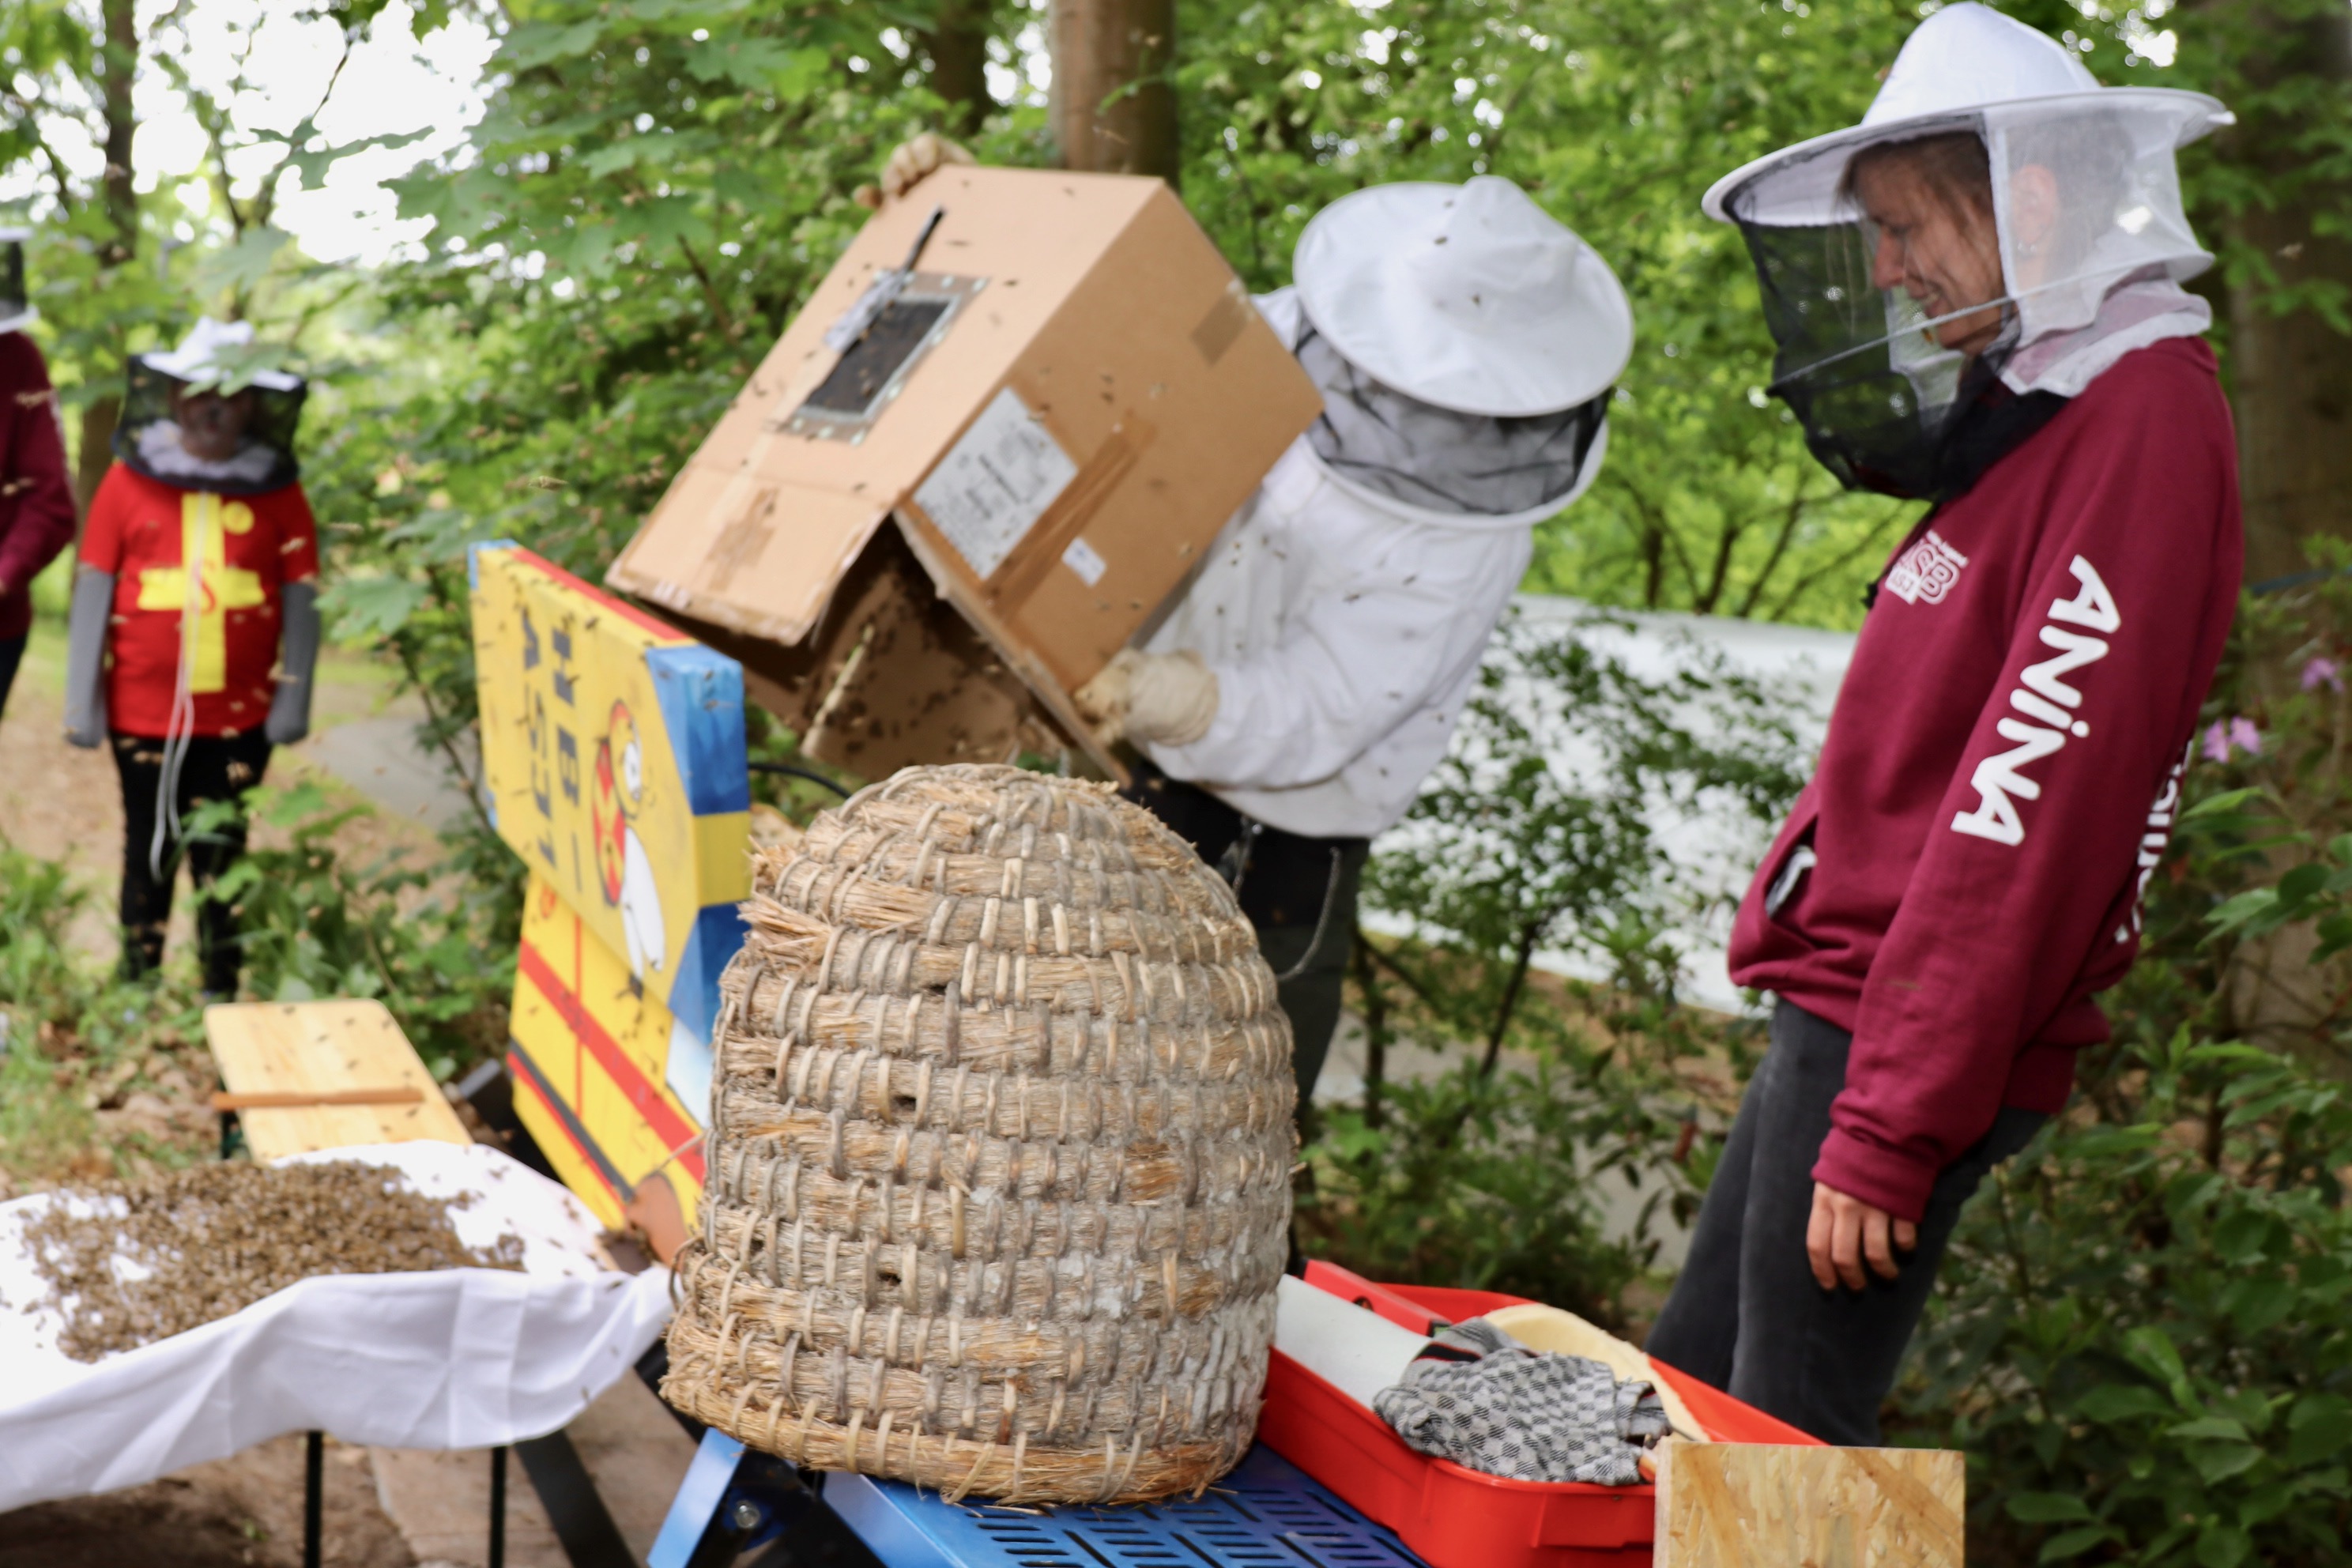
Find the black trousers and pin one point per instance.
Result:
(11, 654)
(217, 768)
(1299, 892)
(1747, 1314)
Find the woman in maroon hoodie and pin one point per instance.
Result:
(36, 508)
(1975, 296)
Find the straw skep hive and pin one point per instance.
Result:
(998, 1187)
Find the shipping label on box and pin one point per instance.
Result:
(612, 755)
(612, 1087)
(995, 482)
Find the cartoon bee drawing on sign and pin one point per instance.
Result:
(625, 872)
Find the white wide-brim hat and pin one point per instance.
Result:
(198, 357)
(1468, 296)
(1962, 59)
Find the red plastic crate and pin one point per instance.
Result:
(1457, 1517)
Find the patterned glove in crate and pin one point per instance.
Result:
(1000, 1184)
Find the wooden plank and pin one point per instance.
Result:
(1746, 1505)
(279, 1100)
(335, 1047)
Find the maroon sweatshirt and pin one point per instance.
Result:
(2001, 772)
(36, 508)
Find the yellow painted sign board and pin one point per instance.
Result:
(611, 1086)
(612, 755)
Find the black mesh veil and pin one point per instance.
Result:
(13, 303)
(1882, 408)
(147, 440)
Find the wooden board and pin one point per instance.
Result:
(265, 1048)
(1749, 1505)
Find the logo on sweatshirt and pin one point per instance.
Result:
(2152, 842)
(2042, 695)
(1924, 574)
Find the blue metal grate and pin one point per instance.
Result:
(1267, 1514)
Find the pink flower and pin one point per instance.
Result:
(2223, 737)
(2322, 672)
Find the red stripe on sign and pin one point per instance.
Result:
(593, 1156)
(621, 607)
(669, 1126)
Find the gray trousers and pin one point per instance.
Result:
(1311, 997)
(1746, 1315)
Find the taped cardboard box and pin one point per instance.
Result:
(1054, 416)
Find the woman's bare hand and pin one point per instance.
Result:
(1845, 1230)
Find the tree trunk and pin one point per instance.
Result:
(95, 451)
(122, 55)
(957, 44)
(1113, 108)
(2291, 375)
(96, 446)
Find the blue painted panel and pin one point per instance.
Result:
(694, 992)
(701, 697)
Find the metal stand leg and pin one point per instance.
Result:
(314, 1488)
(497, 1507)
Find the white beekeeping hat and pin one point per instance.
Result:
(2085, 200)
(1468, 296)
(1466, 342)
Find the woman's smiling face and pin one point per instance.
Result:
(1942, 251)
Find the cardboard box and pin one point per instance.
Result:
(1056, 415)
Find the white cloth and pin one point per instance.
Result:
(1352, 1348)
(1345, 636)
(459, 1358)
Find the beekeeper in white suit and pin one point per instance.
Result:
(1288, 705)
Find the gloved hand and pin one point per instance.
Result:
(908, 161)
(298, 661)
(93, 606)
(1169, 699)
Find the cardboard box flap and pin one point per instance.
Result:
(753, 553)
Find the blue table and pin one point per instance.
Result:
(1267, 1513)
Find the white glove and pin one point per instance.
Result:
(1169, 699)
(908, 161)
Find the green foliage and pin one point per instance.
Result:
(1492, 1173)
(1540, 829)
(437, 953)
(76, 1042)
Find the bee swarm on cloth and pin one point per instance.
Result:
(211, 1240)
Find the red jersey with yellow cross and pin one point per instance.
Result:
(197, 581)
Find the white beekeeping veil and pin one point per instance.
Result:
(2093, 244)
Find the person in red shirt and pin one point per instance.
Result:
(195, 623)
(1975, 301)
(37, 506)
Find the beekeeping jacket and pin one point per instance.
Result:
(1466, 344)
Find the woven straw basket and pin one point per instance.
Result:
(1000, 1176)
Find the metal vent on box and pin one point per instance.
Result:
(874, 370)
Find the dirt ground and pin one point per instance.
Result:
(239, 1512)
